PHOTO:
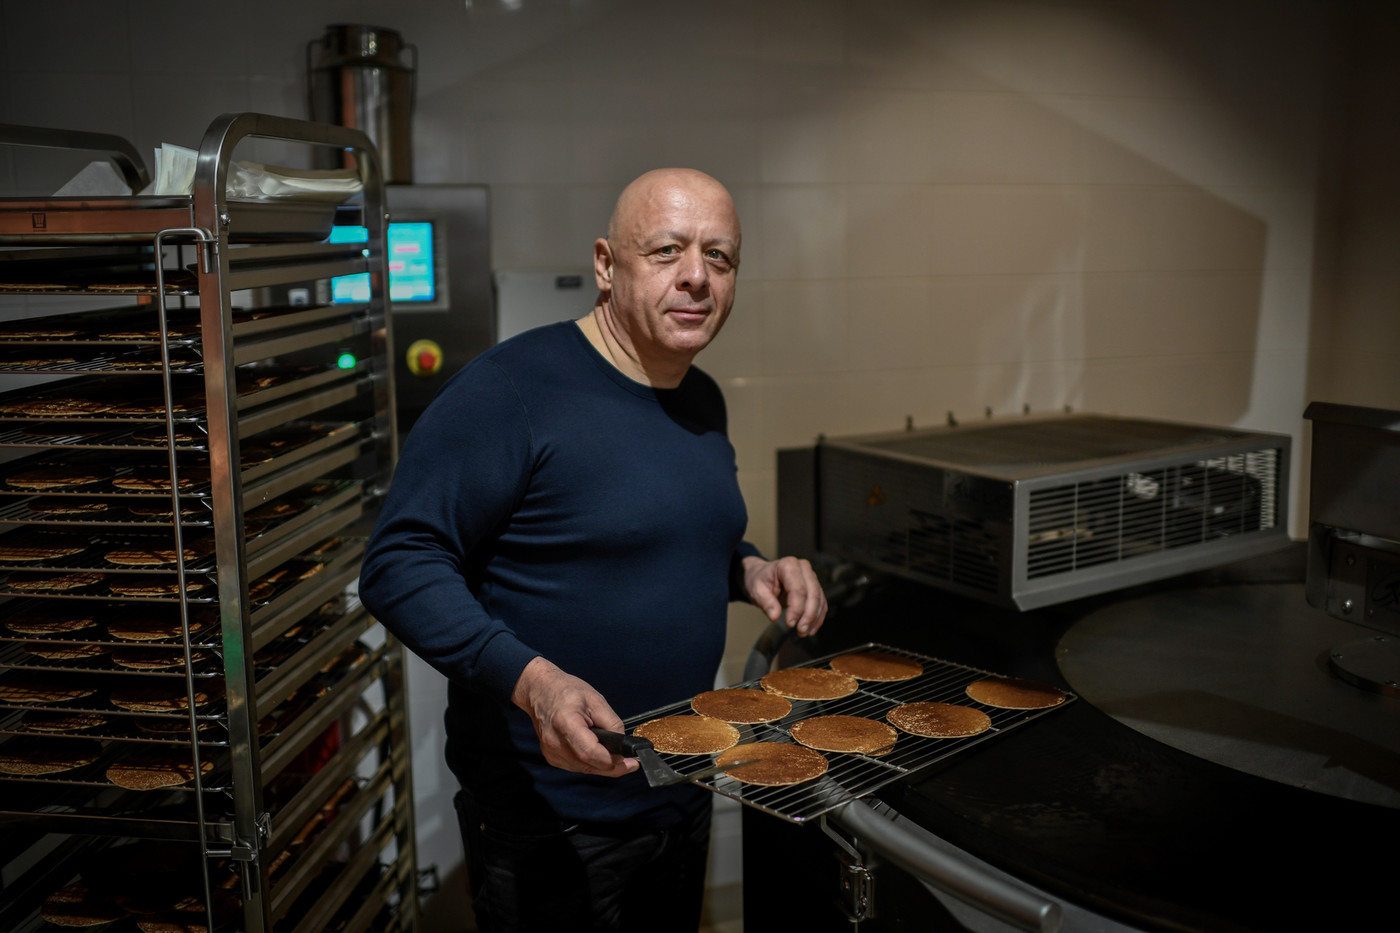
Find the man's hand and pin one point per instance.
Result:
(787, 585)
(563, 707)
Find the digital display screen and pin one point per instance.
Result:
(411, 264)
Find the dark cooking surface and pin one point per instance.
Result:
(1095, 812)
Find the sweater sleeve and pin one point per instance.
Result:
(737, 593)
(463, 471)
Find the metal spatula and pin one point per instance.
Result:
(658, 773)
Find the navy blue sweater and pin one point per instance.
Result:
(545, 504)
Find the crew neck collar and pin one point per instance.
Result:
(643, 389)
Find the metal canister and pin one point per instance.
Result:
(357, 77)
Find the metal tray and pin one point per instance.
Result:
(851, 776)
(140, 217)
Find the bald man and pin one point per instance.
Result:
(561, 539)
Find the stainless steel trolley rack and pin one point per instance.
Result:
(197, 718)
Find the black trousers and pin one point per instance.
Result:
(561, 878)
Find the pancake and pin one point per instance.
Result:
(32, 755)
(688, 735)
(148, 585)
(150, 359)
(877, 665)
(161, 508)
(350, 657)
(1014, 693)
(77, 906)
(58, 476)
(66, 505)
(261, 591)
(28, 546)
(809, 683)
(158, 479)
(163, 696)
(37, 362)
(154, 659)
(32, 687)
(52, 582)
(116, 331)
(274, 511)
(147, 555)
(76, 721)
(736, 704)
(157, 623)
(187, 914)
(939, 720)
(64, 651)
(56, 405)
(774, 763)
(252, 455)
(37, 329)
(845, 734)
(151, 769)
(184, 434)
(52, 620)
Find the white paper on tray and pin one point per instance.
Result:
(174, 169)
(97, 180)
(254, 181)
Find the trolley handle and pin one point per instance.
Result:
(122, 153)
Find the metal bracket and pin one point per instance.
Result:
(857, 892)
(857, 883)
(243, 850)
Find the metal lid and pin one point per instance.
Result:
(1379, 419)
(346, 43)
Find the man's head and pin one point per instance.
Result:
(666, 269)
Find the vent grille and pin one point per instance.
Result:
(890, 513)
(1144, 512)
(953, 551)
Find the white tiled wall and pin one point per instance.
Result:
(1174, 208)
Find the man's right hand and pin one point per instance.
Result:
(562, 708)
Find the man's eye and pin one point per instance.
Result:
(668, 250)
(717, 256)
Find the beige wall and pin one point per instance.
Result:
(1161, 208)
(1356, 333)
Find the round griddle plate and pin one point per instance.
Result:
(1104, 815)
(1239, 675)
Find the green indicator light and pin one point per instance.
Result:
(346, 361)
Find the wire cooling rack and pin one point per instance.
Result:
(851, 776)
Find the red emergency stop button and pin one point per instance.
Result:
(424, 358)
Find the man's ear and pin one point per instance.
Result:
(602, 264)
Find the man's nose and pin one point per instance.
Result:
(694, 274)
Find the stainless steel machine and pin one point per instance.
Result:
(439, 328)
(1354, 537)
(1030, 511)
(1214, 773)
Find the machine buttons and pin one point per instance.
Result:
(424, 358)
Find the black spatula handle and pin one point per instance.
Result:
(617, 743)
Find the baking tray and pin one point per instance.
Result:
(262, 455)
(257, 385)
(83, 220)
(852, 776)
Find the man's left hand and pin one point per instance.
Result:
(787, 585)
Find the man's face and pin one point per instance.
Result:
(669, 266)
